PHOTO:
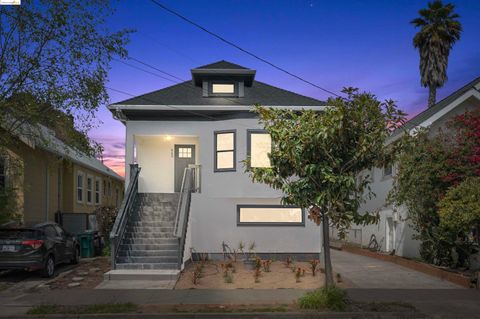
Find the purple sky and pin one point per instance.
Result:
(365, 44)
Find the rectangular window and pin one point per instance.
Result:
(104, 188)
(98, 198)
(224, 142)
(387, 170)
(80, 186)
(259, 145)
(251, 215)
(3, 172)
(223, 88)
(109, 188)
(89, 189)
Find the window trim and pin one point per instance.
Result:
(91, 190)
(387, 176)
(283, 224)
(234, 168)
(210, 89)
(249, 144)
(80, 173)
(99, 192)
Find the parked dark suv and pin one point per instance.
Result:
(40, 247)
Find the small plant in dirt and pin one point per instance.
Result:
(329, 298)
(314, 265)
(227, 270)
(266, 265)
(288, 262)
(196, 274)
(258, 263)
(251, 250)
(298, 274)
(256, 275)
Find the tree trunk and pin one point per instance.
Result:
(326, 252)
(432, 95)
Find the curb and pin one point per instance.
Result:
(260, 315)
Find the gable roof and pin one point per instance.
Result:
(222, 64)
(439, 106)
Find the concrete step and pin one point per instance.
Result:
(148, 259)
(147, 265)
(150, 241)
(132, 247)
(152, 218)
(148, 229)
(135, 274)
(146, 235)
(159, 223)
(147, 253)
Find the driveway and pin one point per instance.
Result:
(366, 272)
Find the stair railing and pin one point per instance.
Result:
(124, 212)
(190, 184)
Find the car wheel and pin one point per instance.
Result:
(75, 256)
(49, 270)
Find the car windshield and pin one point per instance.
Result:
(18, 233)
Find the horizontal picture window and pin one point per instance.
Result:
(270, 215)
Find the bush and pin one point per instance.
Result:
(459, 210)
(330, 298)
(106, 218)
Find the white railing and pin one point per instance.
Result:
(190, 184)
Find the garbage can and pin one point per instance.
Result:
(86, 244)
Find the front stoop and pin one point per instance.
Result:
(140, 279)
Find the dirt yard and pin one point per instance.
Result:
(280, 276)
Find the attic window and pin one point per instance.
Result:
(223, 89)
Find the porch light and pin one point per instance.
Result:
(168, 138)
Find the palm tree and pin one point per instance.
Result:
(439, 31)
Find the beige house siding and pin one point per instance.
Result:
(47, 185)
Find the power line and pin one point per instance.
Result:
(242, 49)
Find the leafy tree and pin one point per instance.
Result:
(439, 30)
(428, 166)
(54, 58)
(316, 158)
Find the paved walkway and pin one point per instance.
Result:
(366, 272)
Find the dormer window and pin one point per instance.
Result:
(223, 89)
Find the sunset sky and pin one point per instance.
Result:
(365, 44)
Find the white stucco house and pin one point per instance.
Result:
(393, 232)
(193, 136)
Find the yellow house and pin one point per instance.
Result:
(48, 178)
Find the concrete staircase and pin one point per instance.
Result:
(149, 250)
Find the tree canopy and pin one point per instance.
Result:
(316, 157)
(54, 59)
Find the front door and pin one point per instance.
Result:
(184, 156)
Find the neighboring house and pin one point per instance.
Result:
(205, 124)
(394, 231)
(50, 179)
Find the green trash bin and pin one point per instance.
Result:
(86, 244)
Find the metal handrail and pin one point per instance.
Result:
(118, 229)
(190, 184)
